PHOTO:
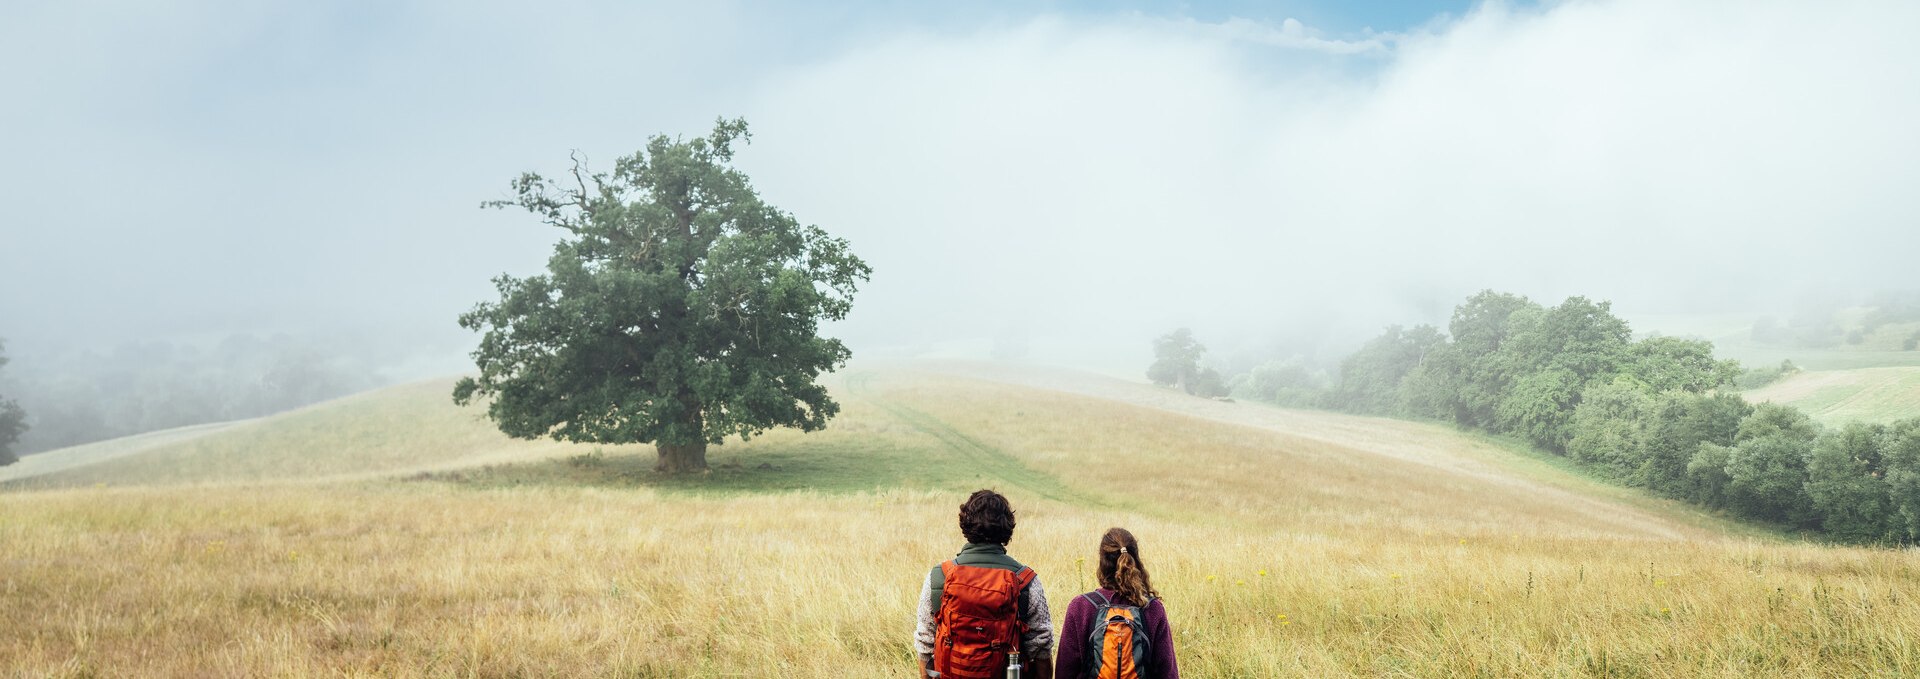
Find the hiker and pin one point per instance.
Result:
(1120, 629)
(976, 607)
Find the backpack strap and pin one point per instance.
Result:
(1097, 599)
(1022, 581)
(937, 587)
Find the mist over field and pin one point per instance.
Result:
(1083, 177)
(1413, 338)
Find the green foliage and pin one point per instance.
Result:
(1370, 379)
(1465, 379)
(1209, 384)
(1847, 485)
(1806, 331)
(79, 395)
(1892, 307)
(13, 420)
(1286, 383)
(1900, 452)
(679, 309)
(1760, 377)
(1771, 419)
(1609, 427)
(1538, 407)
(1176, 363)
(1678, 425)
(1579, 336)
(1707, 470)
(1674, 364)
(1767, 469)
(1652, 413)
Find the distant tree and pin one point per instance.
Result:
(1371, 378)
(1847, 485)
(1609, 427)
(678, 309)
(1466, 379)
(1286, 383)
(1767, 468)
(1766, 479)
(1551, 356)
(13, 420)
(1707, 472)
(1900, 452)
(1579, 336)
(1769, 419)
(1539, 406)
(1676, 428)
(1763, 376)
(1674, 364)
(1176, 360)
(1209, 384)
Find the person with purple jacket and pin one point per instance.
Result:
(1124, 582)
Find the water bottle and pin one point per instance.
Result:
(1013, 665)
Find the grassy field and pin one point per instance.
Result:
(1874, 381)
(1732, 337)
(1839, 396)
(392, 535)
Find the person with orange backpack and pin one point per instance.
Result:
(982, 612)
(1120, 630)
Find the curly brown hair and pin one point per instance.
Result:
(987, 517)
(1121, 569)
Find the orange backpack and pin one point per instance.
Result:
(979, 621)
(1118, 640)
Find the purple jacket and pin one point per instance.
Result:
(1071, 663)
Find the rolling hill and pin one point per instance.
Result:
(1835, 397)
(392, 534)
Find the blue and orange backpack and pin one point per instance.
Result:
(1118, 646)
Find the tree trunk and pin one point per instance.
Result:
(678, 459)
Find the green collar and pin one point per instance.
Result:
(983, 548)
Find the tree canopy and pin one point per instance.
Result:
(13, 420)
(677, 309)
(1176, 359)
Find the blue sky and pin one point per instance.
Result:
(1338, 18)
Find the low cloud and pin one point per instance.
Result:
(1085, 180)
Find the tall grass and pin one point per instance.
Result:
(1279, 555)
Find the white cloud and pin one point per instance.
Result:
(1095, 178)
(1292, 34)
(1115, 177)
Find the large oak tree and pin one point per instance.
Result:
(679, 309)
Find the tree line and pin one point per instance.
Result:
(80, 396)
(1657, 413)
(13, 420)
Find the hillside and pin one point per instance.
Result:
(387, 432)
(940, 425)
(393, 535)
(1838, 396)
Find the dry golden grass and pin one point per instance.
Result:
(1279, 554)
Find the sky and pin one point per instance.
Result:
(1084, 174)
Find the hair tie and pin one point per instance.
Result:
(1123, 549)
